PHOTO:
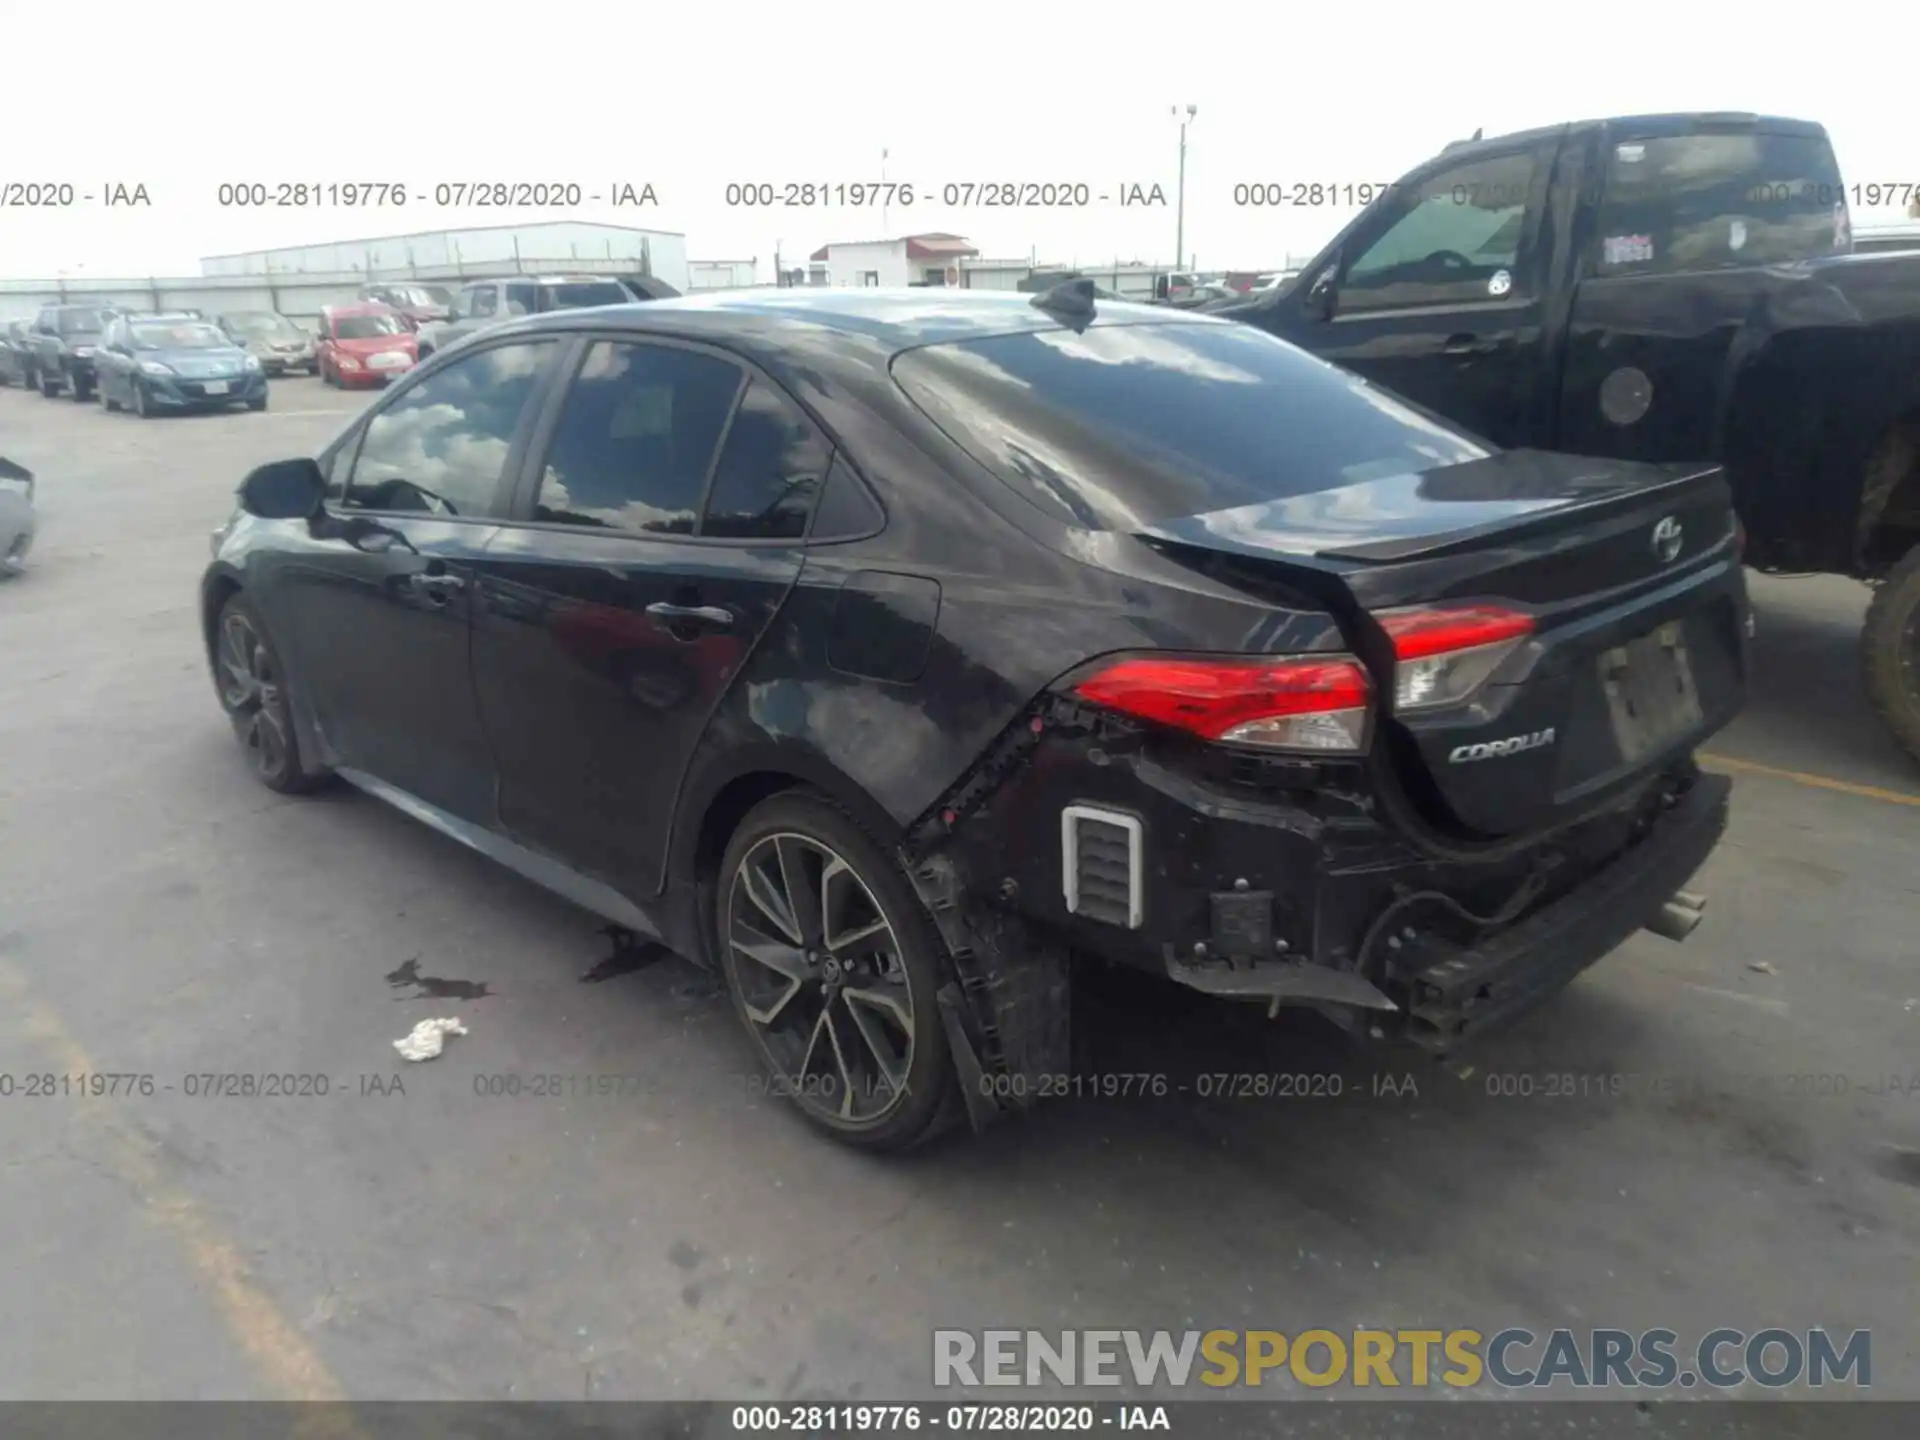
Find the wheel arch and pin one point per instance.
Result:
(1890, 494)
(221, 585)
(714, 805)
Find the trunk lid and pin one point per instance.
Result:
(1628, 573)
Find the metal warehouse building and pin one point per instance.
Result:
(449, 254)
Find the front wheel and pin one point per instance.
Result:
(49, 387)
(252, 685)
(1890, 652)
(140, 400)
(834, 969)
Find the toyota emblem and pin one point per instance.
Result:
(1667, 540)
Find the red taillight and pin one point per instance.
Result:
(1419, 633)
(1442, 654)
(1287, 703)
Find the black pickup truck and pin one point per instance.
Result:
(1662, 288)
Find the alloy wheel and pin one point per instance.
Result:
(818, 970)
(251, 689)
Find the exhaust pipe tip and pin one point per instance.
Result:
(1677, 919)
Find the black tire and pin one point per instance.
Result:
(49, 387)
(254, 691)
(140, 406)
(257, 405)
(910, 965)
(82, 392)
(1890, 652)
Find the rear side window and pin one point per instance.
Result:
(580, 294)
(770, 470)
(1129, 425)
(636, 439)
(1703, 202)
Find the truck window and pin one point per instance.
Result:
(1704, 202)
(1457, 239)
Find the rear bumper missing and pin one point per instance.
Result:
(1467, 995)
(1439, 996)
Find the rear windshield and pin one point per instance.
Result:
(586, 293)
(1701, 202)
(1124, 426)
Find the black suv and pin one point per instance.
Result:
(886, 650)
(65, 339)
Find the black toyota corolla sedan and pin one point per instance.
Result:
(892, 653)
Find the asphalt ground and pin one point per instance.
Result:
(1740, 1147)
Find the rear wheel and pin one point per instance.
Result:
(49, 387)
(1890, 652)
(252, 686)
(833, 968)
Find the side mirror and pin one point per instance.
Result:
(284, 490)
(11, 471)
(1324, 294)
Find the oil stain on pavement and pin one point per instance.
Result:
(432, 987)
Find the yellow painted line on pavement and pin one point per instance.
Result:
(271, 1341)
(1801, 777)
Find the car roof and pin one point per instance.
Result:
(781, 320)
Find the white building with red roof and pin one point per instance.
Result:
(933, 258)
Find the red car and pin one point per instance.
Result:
(365, 345)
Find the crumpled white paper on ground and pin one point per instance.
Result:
(427, 1039)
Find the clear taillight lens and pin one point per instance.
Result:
(1442, 655)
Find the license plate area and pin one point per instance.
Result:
(1651, 693)
(214, 387)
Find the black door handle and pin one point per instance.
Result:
(1469, 345)
(702, 617)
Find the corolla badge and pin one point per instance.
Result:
(1668, 537)
(1495, 749)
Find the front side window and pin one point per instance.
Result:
(636, 438)
(1456, 238)
(770, 470)
(522, 299)
(1703, 202)
(441, 447)
(482, 301)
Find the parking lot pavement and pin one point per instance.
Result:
(161, 915)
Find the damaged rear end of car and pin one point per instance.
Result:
(1414, 743)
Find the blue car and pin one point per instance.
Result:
(156, 363)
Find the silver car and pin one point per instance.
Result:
(16, 516)
(482, 304)
(276, 342)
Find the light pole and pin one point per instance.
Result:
(1180, 194)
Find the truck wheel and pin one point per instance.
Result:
(1890, 652)
(49, 387)
(834, 969)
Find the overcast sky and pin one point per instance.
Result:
(687, 101)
